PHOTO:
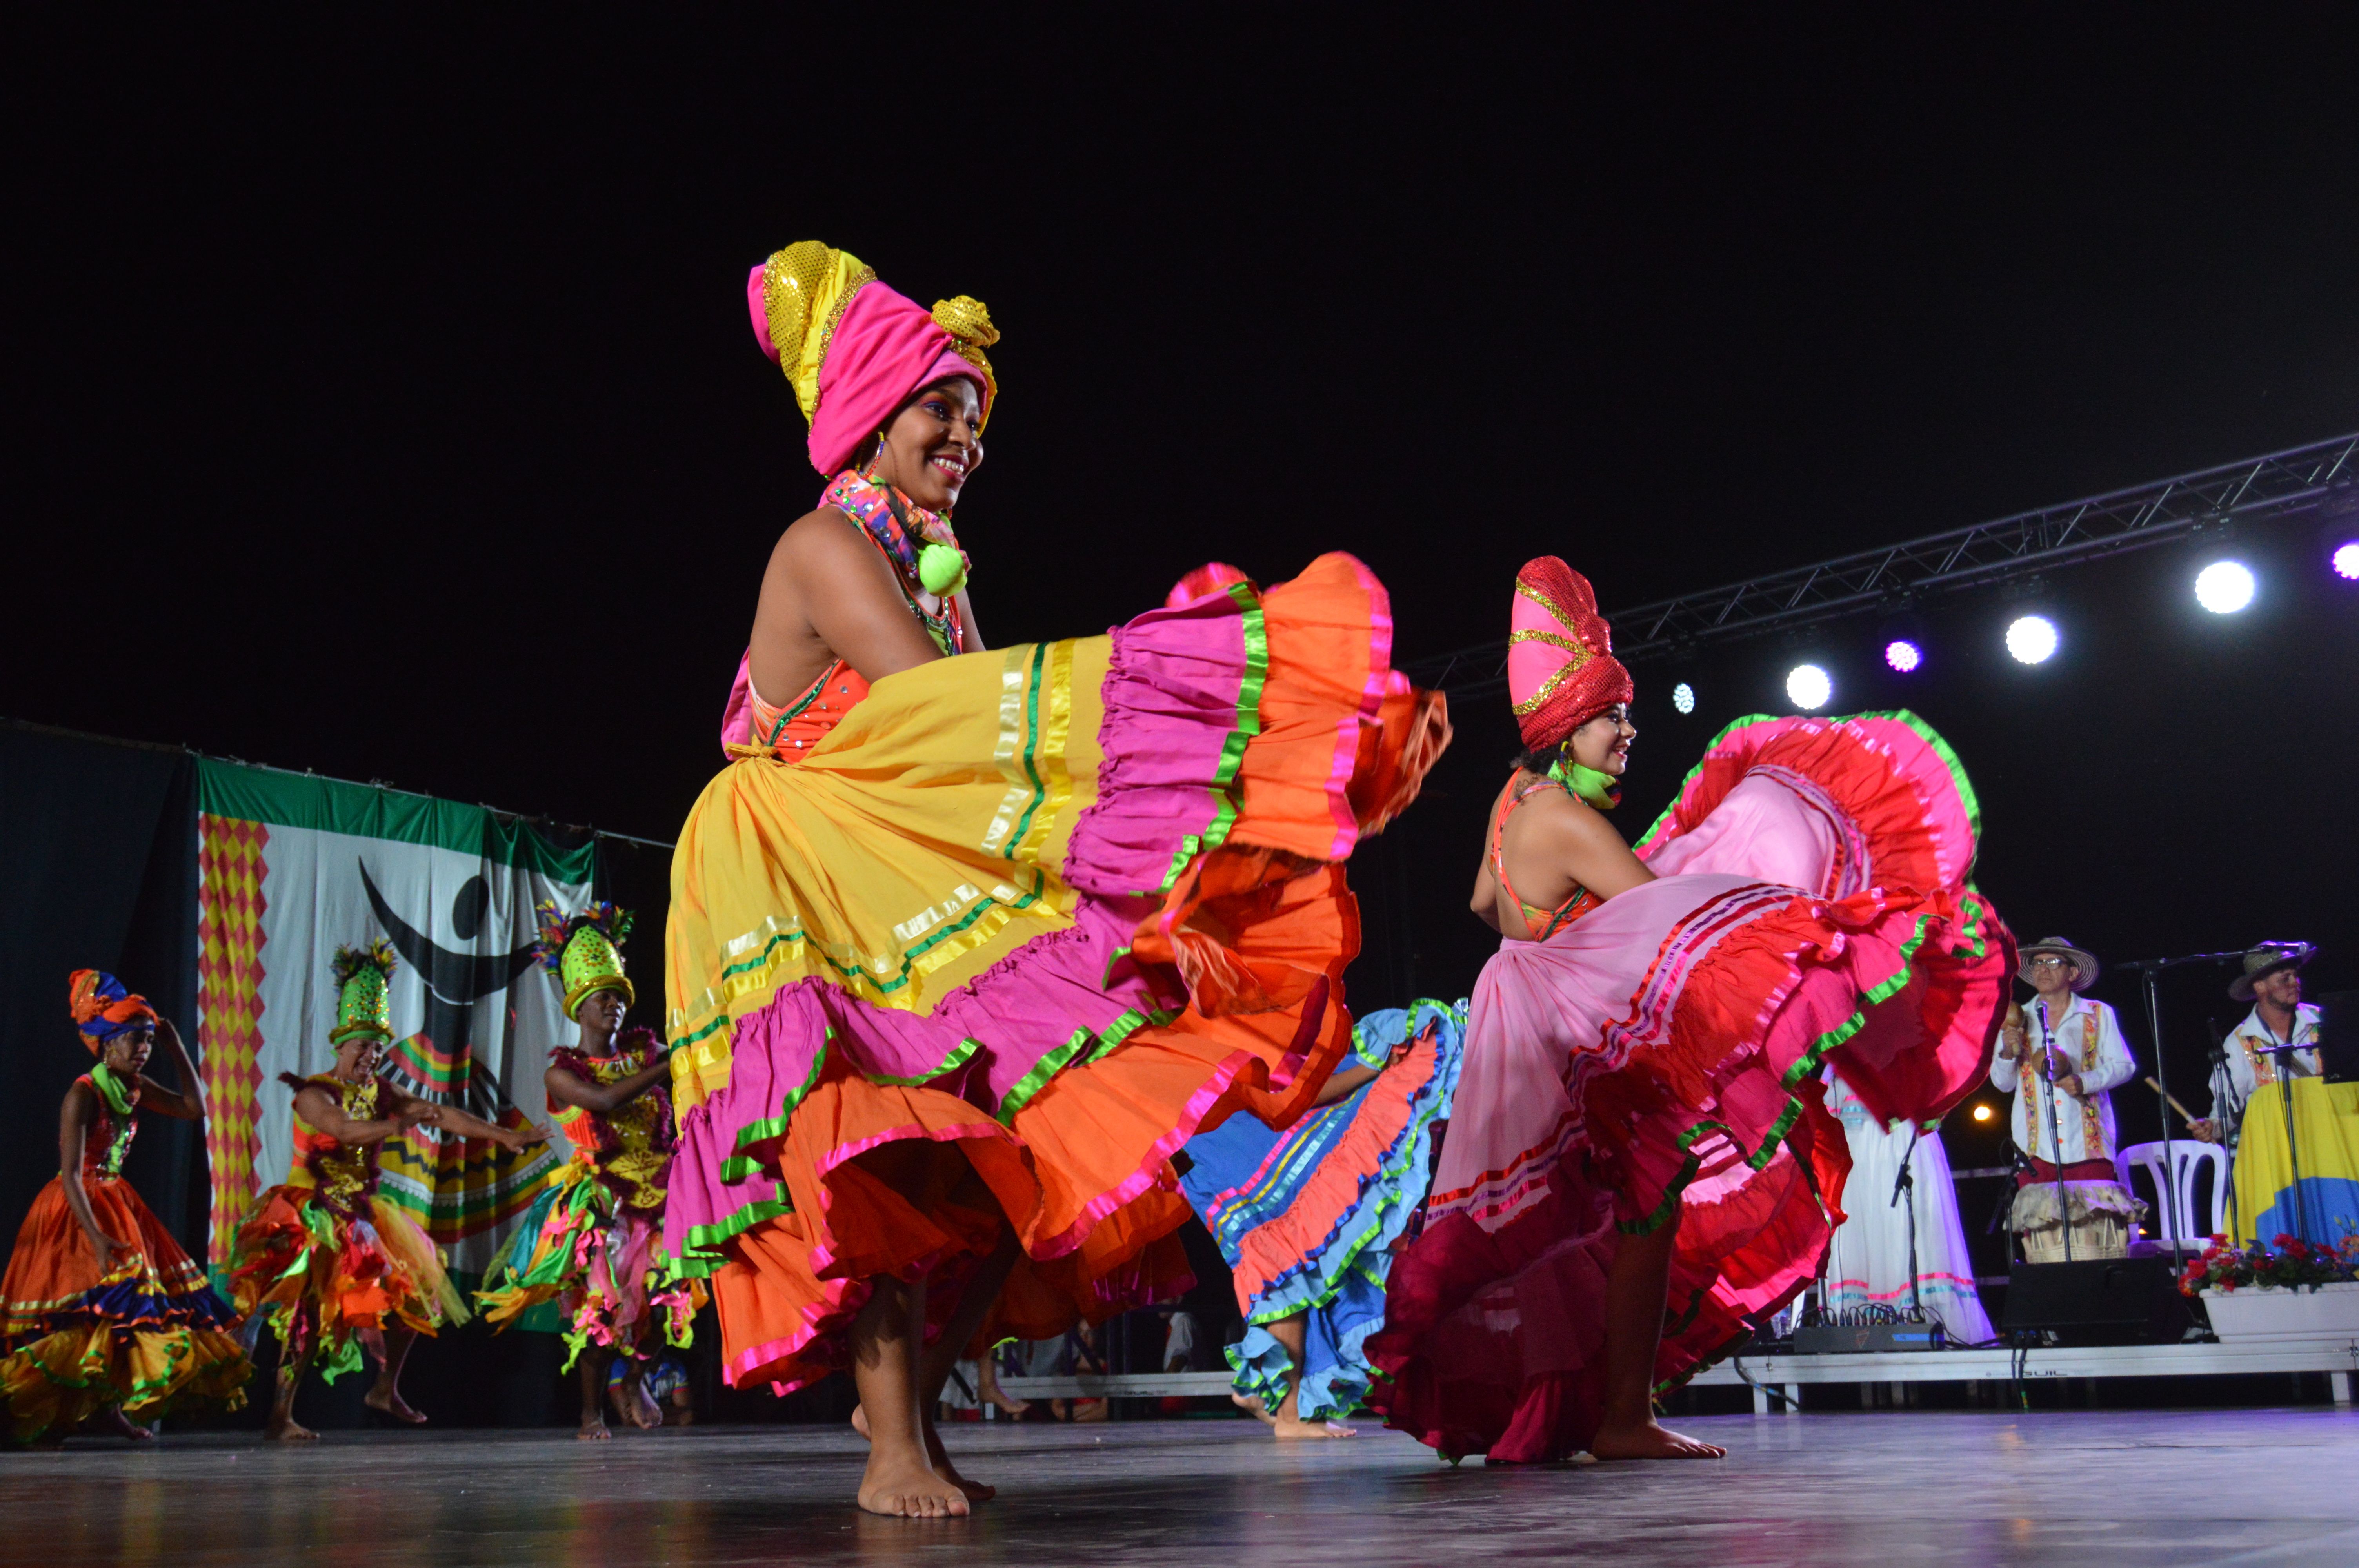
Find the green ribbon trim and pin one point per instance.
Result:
(960, 1054)
(1233, 750)
(1031, 751)
(702, 1257)
(787, 717)
(853, 975)
(754, 1133)
(1047, 1067)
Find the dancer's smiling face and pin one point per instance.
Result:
(933, 444)
(1603, 743)
(357, 1058)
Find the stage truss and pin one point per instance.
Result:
(1900, 576)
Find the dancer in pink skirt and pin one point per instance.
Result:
(1641, 1159)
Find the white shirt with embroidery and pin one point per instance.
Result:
(2089, 1037)
(2246, 1068)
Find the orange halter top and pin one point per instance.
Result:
(1541, 922)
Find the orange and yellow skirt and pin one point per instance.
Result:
(148, 1335)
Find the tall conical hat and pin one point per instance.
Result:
(364, 999)
(1561, 672)
(584, 951)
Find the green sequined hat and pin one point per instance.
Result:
(584, 951)
(363, 999)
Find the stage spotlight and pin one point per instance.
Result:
(1807, 687)
(1683, 697)
(1903, 655)
(2031, 639)
(2225, 586)
(2346, 559)
(1982, 1113)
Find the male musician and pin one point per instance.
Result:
(2076, 1053)
(2272, 983)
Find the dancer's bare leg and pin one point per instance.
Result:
(1635, 1287)
(386, 1395)
(113, 1422)
(1289, 1425)
(888, 1341)
(630, 1399)
(596, 1361)
(982, 1290)
(987, 1388)
(294, 1364)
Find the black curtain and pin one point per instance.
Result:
(98, 871)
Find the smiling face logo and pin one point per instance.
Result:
(455, 983)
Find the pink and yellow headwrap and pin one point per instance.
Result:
(853, 350)
(1561, 672)
(104, 1008)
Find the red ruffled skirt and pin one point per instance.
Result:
(1661, 1054)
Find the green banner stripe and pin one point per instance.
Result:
(332, 806)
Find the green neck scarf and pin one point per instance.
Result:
(112, 1088)
(1599, 789)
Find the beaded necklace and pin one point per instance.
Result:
(905, 532)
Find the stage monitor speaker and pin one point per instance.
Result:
(2101, 1300)
(2338, 1036)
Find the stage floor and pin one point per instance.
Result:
(2216, 1487)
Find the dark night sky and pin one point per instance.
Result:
(384, 401)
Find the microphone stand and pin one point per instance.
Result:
(2149, 970)
(2284, 1053)
(2055, 1134)
(1908, 1185)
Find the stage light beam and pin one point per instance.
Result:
(1683, 697)
(2225, 586)
(1807, 687)
(2346, 560)
(1903, 655)
(2031, 639)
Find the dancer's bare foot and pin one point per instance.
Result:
(593, 1429)
(386, 1399)
(113, 1422)
(1253, 1407)
(633, 1404)
(860, 1419)
(904, 1487)
(1289, 1429)
(1650, 1439)
(977, 1492)
(287, 1429)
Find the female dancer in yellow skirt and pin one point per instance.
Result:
(337, 1268)
(964, 943)
(106, 1315)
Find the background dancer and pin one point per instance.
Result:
(106, 1316)
(1639, 1159)
(1307, 1217)
(958, 958)
(589, 1242)
(1870, 1256)
(334, 1268)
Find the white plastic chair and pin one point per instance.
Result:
(2191, 1157)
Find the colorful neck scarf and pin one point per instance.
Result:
(121, 1099)
(908, 534)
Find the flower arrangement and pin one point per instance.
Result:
(2288, 1263)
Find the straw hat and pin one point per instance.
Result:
(2085, 964)
(2266, 959)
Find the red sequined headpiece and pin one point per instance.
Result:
(1561, 672)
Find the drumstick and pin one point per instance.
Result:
(2184, 1114)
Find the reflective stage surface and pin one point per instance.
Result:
(2072, 1487)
